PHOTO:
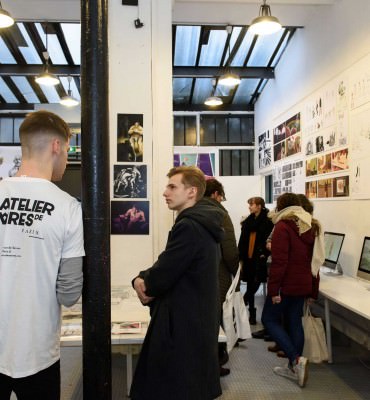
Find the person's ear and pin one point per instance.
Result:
(56, 146)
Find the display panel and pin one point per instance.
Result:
(363, 271)
(333, 246)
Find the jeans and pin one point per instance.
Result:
(290, 309)
(44, 385)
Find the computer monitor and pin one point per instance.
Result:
(363, 271)
(333, 245)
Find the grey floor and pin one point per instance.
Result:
(251, 378)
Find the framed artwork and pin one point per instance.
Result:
(130, 217)
(10, 160)
(130, 138)
(130, 181)
(341, 186)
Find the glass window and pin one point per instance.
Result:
(236, 162)
(185, 131)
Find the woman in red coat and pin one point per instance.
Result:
(290, 281)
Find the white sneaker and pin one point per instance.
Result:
(286, 372)
(301, 369)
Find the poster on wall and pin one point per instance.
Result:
(360, 83)
(129, 217)
(264, 150)
(288, 178)
(130, 181)
(287, 138)
(130, 138)
(10, 160)
(204, 161)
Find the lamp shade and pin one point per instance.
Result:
(69, 100)
(213, 101)
(5, 19)
(265, 23)
(229, 79)
(47, 79)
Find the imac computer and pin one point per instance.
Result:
(363, 271)
(333, 245)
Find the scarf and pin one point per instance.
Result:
(302, 218)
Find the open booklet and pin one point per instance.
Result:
(126, 327)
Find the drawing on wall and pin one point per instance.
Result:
(287, 138)
(10, 160)
(360, 83)
(130, 181)
(324, 164)
(311, 189)
(288, 178)
(129, 217)
(204, 161)
(264, 150)
(341, 186)
(339, 160)
(130, 141)
(325, 188)
(311, 167)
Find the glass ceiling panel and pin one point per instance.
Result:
(181, 89)
(50, 93)
(281, 50)
(234, 37)
(245, 90)
(74, 89)
(5, 55)
(26, 89)
(72, 34)
(211, 53)
(263, 49)
(186, 47)
(29, 53)
(55, 50)
(239, 58)
(6, 92)
(202, 90)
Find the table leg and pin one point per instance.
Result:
(328, 331)
(129, 369)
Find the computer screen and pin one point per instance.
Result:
(333, 245)
(363, 271)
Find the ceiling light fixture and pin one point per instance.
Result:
(213, 101)
(69, 100)
(265, 23)
(6, 19)
(46, 78)
(228, 78)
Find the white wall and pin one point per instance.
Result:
(333, 40)
(140, 83)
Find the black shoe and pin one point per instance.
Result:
(252, 316)
(223, 358)
(259, 334)
(224, 371)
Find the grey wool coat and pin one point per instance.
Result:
(179, 357)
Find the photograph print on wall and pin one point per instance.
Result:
(130, 181)
(129, 217)
(130, 138)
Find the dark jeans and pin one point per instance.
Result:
(290, 308)
(44, 385)
(252, 287)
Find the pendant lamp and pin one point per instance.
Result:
(69, 100)
(228, 78)
(265, 23)
(213, 101)
(6, 19)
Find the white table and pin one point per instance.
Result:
(126, 308)
(348, 292)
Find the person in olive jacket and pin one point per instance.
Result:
(253, 254)
(229, 262)
(179, 357)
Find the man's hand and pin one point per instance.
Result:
(139, 286)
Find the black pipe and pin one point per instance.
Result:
(96, 305)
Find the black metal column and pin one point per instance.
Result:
(96, 306)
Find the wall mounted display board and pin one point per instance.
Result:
(264, 150)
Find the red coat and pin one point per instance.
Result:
(290, 270)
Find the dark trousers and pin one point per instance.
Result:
(44, 385)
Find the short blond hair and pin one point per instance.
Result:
(191, 176)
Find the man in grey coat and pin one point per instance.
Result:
(179, 357)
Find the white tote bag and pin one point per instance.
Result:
(235, 319)
(315, 347)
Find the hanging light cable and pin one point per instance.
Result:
(69, 100)
(46, 78)
(265, 23)
(6, 19)
(228, 78)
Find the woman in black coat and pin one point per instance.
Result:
(252, 250)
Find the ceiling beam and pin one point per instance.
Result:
(36, 69)
(17, 107)
(212, 72)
